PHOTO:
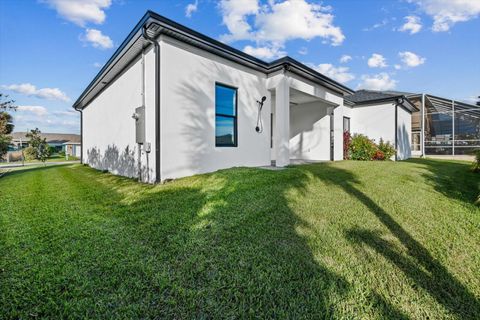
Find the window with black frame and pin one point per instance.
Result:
(346, 124)
(225, 116)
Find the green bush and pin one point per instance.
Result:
(387, 149)
(476, 162)
(362, 148)
(30, 153)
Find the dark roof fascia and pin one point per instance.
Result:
(292, 63)
(117, 52)
(411, 107)
(380, 100)
(218, 48)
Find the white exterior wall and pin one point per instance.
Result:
(404, 134)
(77, 150)
(188, 78)
(109, 129)
(375, 121)
(309, 131)
(378, 121)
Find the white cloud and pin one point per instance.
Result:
(345, 58)
(303, 51)
(397, 67)
(266, 52)
(383, 23)
(81, 12)
(37, 110)
(235, 18)
(69, 113)
(446, 13)
(97, 65)
(29, 89)
(97, 39)
(377, 61)
(412, 25)
(381, 81)
(29, 117)
(410, 59)
(274, 23)
(340, 74)
(191, 8)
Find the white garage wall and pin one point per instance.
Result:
(188, 77)
(309, 131)
(404, 130)
(108, 127)
(375, 121)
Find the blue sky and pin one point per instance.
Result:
(52, 49)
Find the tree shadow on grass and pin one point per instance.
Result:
(223, 245)
(451, 178)
(434, 278)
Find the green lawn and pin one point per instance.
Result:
(359, 240)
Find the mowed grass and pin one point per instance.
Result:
(359, 240)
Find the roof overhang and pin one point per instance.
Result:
(157, 25)
(401, 100)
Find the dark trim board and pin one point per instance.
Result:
(173, 29)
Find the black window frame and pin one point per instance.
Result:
(349, 124)
(234, 117)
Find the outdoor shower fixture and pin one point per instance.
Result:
(259, 127)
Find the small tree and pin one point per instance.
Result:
(6, 122)
(40, 145)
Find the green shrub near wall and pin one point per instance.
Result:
(361, 147)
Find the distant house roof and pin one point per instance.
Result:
(362, 97)
(52, 138)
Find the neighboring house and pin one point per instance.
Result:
(72, 149)
(56, 140)
(172, 102)
(440, 126)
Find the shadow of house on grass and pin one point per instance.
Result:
(418, 264)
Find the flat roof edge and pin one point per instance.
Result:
(248, 60)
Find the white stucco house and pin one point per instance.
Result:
(172, 102)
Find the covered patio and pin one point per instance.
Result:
(302, 121)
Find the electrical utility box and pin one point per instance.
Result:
(140, 125)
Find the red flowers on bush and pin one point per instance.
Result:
(379, 155)
(347, 138)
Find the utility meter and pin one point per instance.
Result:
(139, 117)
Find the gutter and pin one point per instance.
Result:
(81, 134)
(157, 101)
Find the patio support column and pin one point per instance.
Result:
(422, 133)
(282, 123)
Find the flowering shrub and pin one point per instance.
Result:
(360, 147)
(379, 155)
(387, 149)
(346, 145)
